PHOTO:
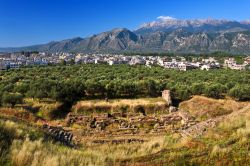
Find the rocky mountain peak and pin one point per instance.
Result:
(166, 23)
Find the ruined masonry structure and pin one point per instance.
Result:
(59, 134)
(166, 95)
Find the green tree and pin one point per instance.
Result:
(240, 92)
(127, 89)
(68, 91)
(111, 89)
(94, 88)
(197, 88)
(151, 88)
(182, 92)
(215, 90)
(63, 62)
(72, 62)
(12, 98)
(21, 88)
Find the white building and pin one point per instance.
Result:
(185, 66)
(205, 67)
(231, 63)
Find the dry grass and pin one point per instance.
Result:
(31, 109)
(25, 152)
(218, 151)
(18, 112)
(44, 107)
(37, 153)
(245, 131)
(236, 120)
(203, 107)
(151, 105)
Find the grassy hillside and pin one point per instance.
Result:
(204, 108)
(227, 143)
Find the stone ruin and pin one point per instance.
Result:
(132, 124)
(118, 141)
(173, 109)
(197, 129)
(99, 123)
(77, 119)
(59, 134)
(126, 125)
(166, 95)
(92, 122)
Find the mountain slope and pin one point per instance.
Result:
(117, 39)
(165, 35)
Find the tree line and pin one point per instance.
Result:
(72, 83)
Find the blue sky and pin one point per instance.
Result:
(28, 22)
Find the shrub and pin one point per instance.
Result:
(21, 88)
(240, 92)
(215, 90)
(12, 98)
(182, 92)
(197, 88)
(140, 109)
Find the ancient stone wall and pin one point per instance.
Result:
(132, 124)
(59, 134)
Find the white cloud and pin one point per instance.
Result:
(166, 18)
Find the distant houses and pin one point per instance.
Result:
(231, 63)
(16, 60)
(3, 66)
(183, 65)
(186, 66)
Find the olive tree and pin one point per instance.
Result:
(12, 98)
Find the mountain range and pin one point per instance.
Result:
(166, 34)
